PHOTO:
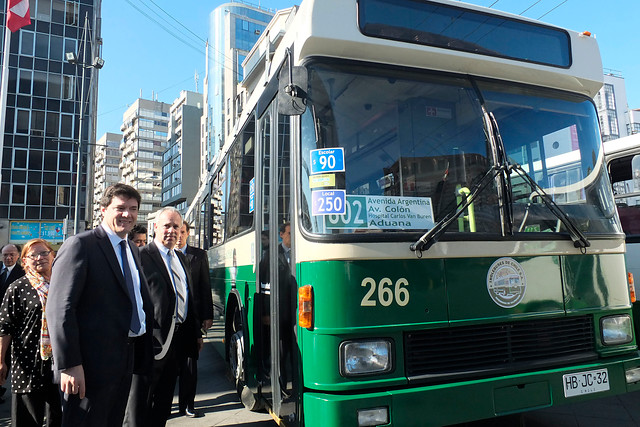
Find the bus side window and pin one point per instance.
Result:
(625, 180)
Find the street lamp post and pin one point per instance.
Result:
(96, 63)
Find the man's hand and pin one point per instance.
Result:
(200, 344)
(206, 324)
(72, 381)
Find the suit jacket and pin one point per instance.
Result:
(199, 263)
(15, 274)
(89, 310)
(164, 300)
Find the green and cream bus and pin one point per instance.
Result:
(413, 223)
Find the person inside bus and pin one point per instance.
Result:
(23, 327)
(286, 288)
(139, 235)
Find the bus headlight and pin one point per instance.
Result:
(364, 357)
(616, 330)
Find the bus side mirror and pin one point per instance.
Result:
(292, 95)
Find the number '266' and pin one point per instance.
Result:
(386, 293)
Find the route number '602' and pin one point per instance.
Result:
(387, 292)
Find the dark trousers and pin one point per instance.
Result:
(151, 396)
(188, 382)
(102, 406)
(31, 409)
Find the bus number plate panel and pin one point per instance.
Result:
(579, 383)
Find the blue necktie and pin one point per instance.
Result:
(135, 320)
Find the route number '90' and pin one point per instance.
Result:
(386, 293)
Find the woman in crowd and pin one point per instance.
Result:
(24, 327)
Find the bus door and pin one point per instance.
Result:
(625, 179)
(276, 270)
(277, 286)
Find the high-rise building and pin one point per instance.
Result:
(234, 29)
(181, 160)
(144, 139)
(106, 169)
(40, 144)
(634, 121)
(611, 102)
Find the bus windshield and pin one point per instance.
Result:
(389, 150)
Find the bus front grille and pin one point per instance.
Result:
(458, 353)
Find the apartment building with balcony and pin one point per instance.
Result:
(181, 160)
(144, 129)
(106, 169)
(611, 103)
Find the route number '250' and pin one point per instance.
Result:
(386, 295)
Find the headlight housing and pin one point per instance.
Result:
(365, 357)
(616, 330)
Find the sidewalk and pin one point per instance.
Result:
(216, 398)
(217, 401)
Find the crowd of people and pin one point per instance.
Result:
(100, 331)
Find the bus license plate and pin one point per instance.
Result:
(587, 382)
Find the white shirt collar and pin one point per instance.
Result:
(162, 248)
(113, 237)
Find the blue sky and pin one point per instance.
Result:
(142, 56)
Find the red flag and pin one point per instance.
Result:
(18, 14)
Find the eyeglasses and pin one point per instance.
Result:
(37, 255)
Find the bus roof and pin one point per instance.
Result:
(622, 146)
(330, 28)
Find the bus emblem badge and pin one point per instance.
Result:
(506, 282)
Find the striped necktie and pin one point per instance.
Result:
(179, 287)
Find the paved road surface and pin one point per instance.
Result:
(217, 400)
(216, 396)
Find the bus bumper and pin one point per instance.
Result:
(463, 401)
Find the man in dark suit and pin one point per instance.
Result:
(11, 270)
(176, 331)
(203, 302)
(98, 312)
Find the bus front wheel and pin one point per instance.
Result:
(236, 363)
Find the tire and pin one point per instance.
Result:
(236, 364)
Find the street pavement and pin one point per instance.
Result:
(217, 401)
(216, 397)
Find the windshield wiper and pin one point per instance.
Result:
(431, 237)
(578, 237)
(505, 193)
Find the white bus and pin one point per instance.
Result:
(413, 222)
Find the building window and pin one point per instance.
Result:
(71, 17)
(17, 194)
(613, 123)
(68, 85)
(44, 10)
(23, 120)
(609, 96)
(54, 86)
(27, 39)
(24, 82)
(19, 159)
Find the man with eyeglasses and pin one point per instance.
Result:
(11, 270)
(100, 315)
